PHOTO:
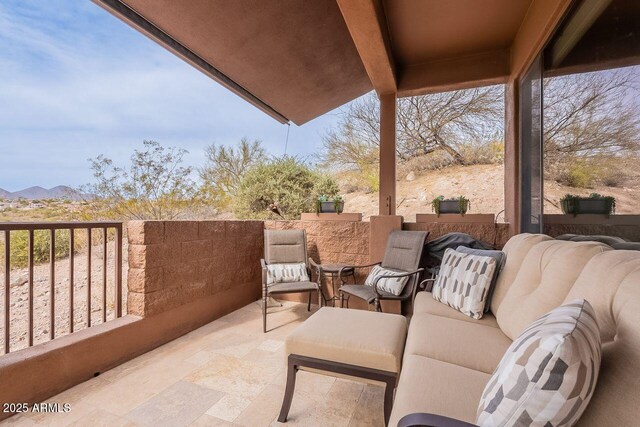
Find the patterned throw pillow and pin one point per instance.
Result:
(393, 286)
(548, 374)
(464, 282)
(281, 273)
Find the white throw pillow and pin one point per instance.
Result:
(464, 282)
(548, 374)
(286, 273)
(393, 286)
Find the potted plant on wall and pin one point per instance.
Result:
(327, 204)
(458, 205)
(593, 204)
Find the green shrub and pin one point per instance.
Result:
(286, 182)
(578, 174)
(482, 153)
(41, 247)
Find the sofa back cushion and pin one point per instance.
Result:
(611, 283)
(548, 272)
(515, 251)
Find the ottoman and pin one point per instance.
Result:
(347, 343)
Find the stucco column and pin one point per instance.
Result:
(512, 157)
(387, 194)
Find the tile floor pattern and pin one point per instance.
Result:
(227, 373)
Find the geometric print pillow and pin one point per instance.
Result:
(392, 285)
(464, 282)
(281, 273)
(548, 374)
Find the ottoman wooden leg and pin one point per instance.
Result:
(292, 370)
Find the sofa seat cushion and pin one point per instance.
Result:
(355, 337)
(454, 341)
(437, 387)
(425, 303)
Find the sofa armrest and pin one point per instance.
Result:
(431, 420)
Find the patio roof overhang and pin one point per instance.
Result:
(296, 60)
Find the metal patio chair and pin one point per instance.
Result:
(285, 247)
(402, 254)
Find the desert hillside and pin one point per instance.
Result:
(483, 185)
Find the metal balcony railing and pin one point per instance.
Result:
(108, 230)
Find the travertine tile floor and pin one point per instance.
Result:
(227, 373)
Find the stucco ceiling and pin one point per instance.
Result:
(296, 56)
(428, 30)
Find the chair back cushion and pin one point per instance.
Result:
(404, 250)
(393, 286)
(548, 374)
(464, 281)
(547, 274)
(285, 246)
(287, 273)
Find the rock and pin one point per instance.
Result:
(19, 281)
(411, 176)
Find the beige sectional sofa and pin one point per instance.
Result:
(449, 357)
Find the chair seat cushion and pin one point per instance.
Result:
(366, 293)
(356, 337)
(283, 288)
(425, 303)
(433, 386)
(462, 343)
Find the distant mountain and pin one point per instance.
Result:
(39, 193)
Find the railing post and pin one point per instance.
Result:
(52, 283)
(7, 289)
(71, 278)
(104, 274)
(118, 264)
(89, 277)
(30, 288)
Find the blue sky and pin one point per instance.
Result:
(77, 82)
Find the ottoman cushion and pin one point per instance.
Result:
(356, 337)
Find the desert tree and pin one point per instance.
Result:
(154, 186)
(591, 114)
(224, 168)
(425, 124)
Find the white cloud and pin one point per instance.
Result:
(77, 83)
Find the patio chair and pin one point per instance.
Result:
(285, 247)
(402, 254)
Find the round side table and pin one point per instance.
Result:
(332, 270)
